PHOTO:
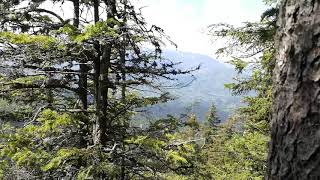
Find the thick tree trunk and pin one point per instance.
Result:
(102, 66)
(295, 136)
(102, 118)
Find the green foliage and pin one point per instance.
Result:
(29, 146)
(212, 117)
(240, 149)
(69, 30)
(99, 29)
(62, 139)
(28, 80)
(192, 122)
(239, 64)
(237, 155)
(10, 110)
(40, 147)
(175, 157)
(60, 157)
(26, 39)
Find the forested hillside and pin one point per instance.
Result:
(89, 90)
(197, 93)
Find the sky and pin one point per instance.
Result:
(186, 21)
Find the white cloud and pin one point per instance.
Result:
(186, 23)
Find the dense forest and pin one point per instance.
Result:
(76, 84)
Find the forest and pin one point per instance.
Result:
(77, 85)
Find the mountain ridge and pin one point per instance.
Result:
(207, 88)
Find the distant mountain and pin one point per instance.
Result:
(207, 87)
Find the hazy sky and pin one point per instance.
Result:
(186, 21)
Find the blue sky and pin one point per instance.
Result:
(186, 21)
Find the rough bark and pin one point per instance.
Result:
(295, 137)
(96, 61)
(103, 83)
(102, 116)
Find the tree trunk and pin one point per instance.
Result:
(83, 84)
(295, 137)
(76, 13)
(102, 81)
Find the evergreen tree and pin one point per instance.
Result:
(239, 148)
(294, 148)
(212, 117)
(80, 79)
